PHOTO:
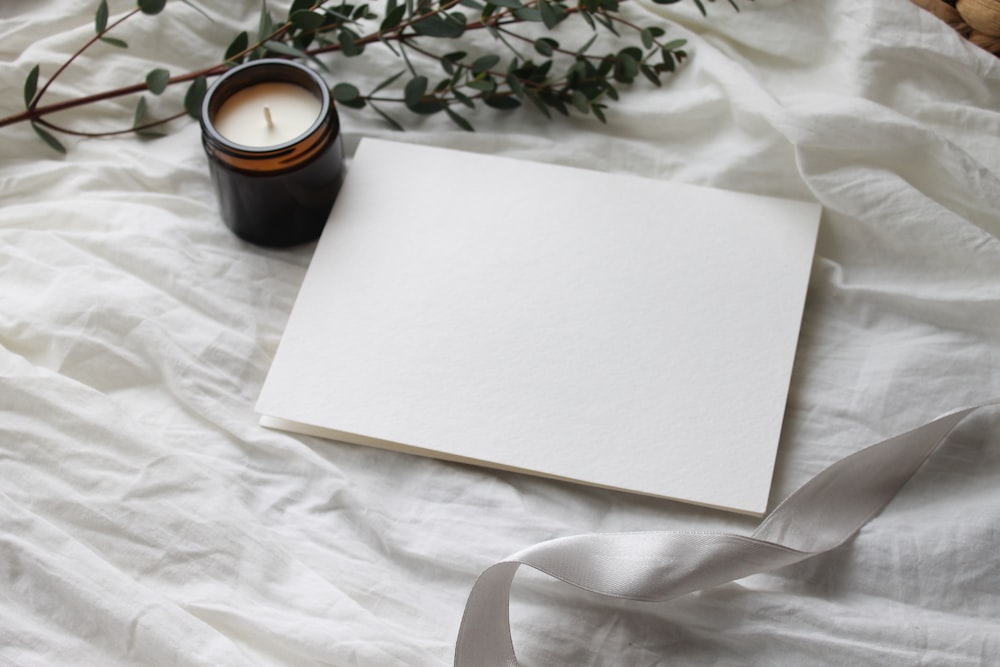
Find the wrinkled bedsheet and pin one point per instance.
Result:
(146, 518)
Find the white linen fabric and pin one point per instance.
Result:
(147, 519)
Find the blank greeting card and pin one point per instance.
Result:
(611, 330)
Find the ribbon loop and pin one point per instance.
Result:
(656, 566)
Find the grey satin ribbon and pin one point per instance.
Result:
(656, 566)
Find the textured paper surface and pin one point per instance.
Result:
(567, 323)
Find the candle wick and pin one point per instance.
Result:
(267, 117)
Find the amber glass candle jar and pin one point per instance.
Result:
(272, 136)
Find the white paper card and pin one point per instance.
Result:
(613, 330)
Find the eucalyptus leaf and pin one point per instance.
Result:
(464, 99)
(392, 18)
(265, 24)
(30, 86)
(194, 97)
(548, 13)
(152, 6)
(157, 80)
(428, 106)
(140, 118)
(388, 81)
(299, 5)
(47, 137)
(598, 110)
(348, 95)
(545, 46)
(647, 38)
(458, 120)
(415, 89)
(101, 17)
(484, 63)
(502, 101)
(528, 14)
(307, 20)
(240, 44)
(651, 74)
(348, 43)
(114, 41)
(436, 25)
(389, 119)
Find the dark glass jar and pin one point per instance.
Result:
(278, 195)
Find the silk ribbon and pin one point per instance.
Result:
(657, 566)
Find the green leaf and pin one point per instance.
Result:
(701, 7)
(415, 90)
(157, 80)
(487, 85)
(509, 4)
(265, 25)
(515, 85)
(238, 45)
(590, 42)
(472, 4)
(348, 44)
(669, 65)
(626, 68)
(539, 104)
(485, 63)
(299, 5)
(528, 14)
(348, 95)
(101, 17)
(389, 119)
(114, 41)
(647, 38)
(458, 120)
(388, 81)
(152, 6)
(428, 105)
(598, 111)
(194, 97)
(674, 44)
(464, 99)
(436, 25)
(48, 138)
(545, 46)
(307, 20)
(393, 18)
(30, 86)
(580, 101)
(502, 101)
(551, 13)
(651, 74)
(141, 118)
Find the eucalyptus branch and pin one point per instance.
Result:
(317, 27)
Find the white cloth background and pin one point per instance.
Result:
(147, 519)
